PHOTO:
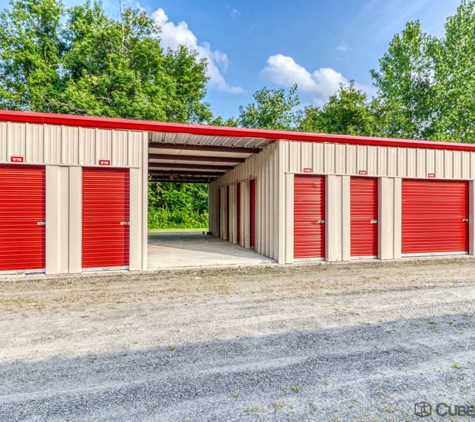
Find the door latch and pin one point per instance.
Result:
(41, 223)
(465, 220)
(125, 223)
(374, 221)
(321, 221)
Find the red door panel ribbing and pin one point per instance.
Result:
(364, 216)
(253, 212)
(238, 213)
(309, 217)
(105, 206)
(434, 216)
(22, 207)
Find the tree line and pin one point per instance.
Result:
(81, 61)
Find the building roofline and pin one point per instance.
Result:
(271, 135)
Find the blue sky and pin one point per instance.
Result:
(316, 44)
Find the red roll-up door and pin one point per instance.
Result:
(434, 216)
(22, 207)
(309, 217)
(238, 213)
(106, 217)
(253, 212)
(364, 216)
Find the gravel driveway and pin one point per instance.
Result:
(319, 342)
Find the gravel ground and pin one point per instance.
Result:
(312, 342)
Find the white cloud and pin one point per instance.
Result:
(320, 84)
(174, 35)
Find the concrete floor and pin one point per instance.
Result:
(167, 251)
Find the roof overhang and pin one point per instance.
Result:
(184, 152)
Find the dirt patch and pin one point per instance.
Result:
(63, 316)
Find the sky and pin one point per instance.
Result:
(316, 44)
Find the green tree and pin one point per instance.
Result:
(81, 61)
(454, 74)
(31, 48)
(405, 82)
(347, 112)
(273, 109)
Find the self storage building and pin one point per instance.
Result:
(73, 191)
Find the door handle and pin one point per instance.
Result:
(41, 223)
(125, 223)
(374, 221)
(465, 220)
(321, 221)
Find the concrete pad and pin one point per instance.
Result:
(167, 251)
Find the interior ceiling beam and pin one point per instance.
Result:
(214, 148)
(195, 158)
(186, 172)
(158, 166)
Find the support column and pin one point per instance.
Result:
(75, 219)
(57, 224)
(135, 245)
(333, 218)
(246, 214)
(289, 218)
(389, 217)
(346, 218)
(471, 217)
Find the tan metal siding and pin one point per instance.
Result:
(264, 167)
(69, 146)
(325, 158)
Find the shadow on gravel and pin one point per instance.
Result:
(367, 372)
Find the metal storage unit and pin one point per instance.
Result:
(435, 215)
(23, 216)
(309, 217)
(364, 217)
(56, 154)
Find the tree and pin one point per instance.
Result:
(273, 109)
(81, 61)
(454, 74)
(31, 48)
(347, 112)
(405, 82)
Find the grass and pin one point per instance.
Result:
(178, 231)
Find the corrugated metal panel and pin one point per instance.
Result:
(106, 217)
(309, 217)
(228, 214)
(66, 145)
(381, 161)
(34, 145)
(364, 216)
(70, 145)
(227, 141)
(22, 207)
(238, 214)
(253, 212)
(434, 216)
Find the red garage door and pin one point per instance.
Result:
(23, 216)
(434, 216)
(253, 212)
(309, 217)
(364, 216)
(105, 213)
(238, 213)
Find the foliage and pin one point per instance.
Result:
(347, 112)
(81, 61)
(273, 109)
(177, 205)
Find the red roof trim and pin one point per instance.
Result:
(271, 135)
